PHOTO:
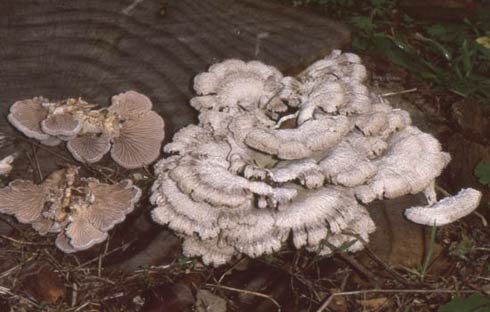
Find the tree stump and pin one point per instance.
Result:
(95, 49)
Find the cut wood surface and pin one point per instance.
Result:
(95, 49)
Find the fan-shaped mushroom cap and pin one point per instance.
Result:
(141, 132)
(23, 199)
(212, 252)
(95, 213)
(65, 125)
(446, 210)
(183, 213)
(253, 234)
(110, 203)
(337, 65)
(346, 97)
(306, 171)
(130, 103)
(346, 166)
(233, 82)
(89, 148)
(412, 161)
(362, 225)
(312, 136)
(26, 116)
(80, 234)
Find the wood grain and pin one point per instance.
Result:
(98, 48)
(94, 49)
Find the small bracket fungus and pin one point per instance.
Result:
(6, 165)
(275, 157)
(128, 128)
(81, 210)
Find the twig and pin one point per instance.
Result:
(82, 306)
(36, 161)
(390, 291)
(227, 272)
(16, 267)
(443, 191)
(7, 291)
(108, 253)
(482, 218)
(388, 94)
(101, 256)
(47, 150)
(22, 242)
(375, 257)
(248, 292)
(74, 294)
(71, 162)
(359, 267)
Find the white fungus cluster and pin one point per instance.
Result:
(128, 128)
(81, 210)
(275, 157)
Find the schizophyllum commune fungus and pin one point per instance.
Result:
(275, 156)
(129, 129)
(81, 210)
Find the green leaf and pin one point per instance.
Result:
(462, 248)
(474, 303)
(363, 23)
(437, 30)
(465, 53)
(378, 3)
(347, 245)
(482, 172)
(428, 258)
(401, 43)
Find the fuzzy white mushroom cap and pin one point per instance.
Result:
(447, 210)
(276, 157)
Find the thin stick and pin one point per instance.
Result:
(391, 291)
(47, 150)
(82, 306)
(375, 257)
(71, 162)
(99, 267)
(248, 292)
(359, 267)
(108, 253)
(74, 294)
(227, 272)
(22, 242)
(398, 92)
(36, 161)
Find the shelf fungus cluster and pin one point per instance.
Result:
(129, 129)
(81, 210)
(275, 157)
